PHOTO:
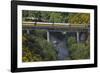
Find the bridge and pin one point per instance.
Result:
(58, 33)
(56, 27)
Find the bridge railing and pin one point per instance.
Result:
(57, 24)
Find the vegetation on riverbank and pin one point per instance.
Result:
(36, 48)
(78, 50)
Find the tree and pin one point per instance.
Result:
(71, 41)
(36, 48)
(45, 15)
(79, 18)
(55, 17)
(24, 13)
(78, 50)
(64, 17)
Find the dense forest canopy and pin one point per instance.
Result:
(79, 18)
(58, 17)
(36, 48)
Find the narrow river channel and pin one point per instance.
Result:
(59, 41)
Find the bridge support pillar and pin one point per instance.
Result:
(48, 39)
(28, 31)
(77, 37)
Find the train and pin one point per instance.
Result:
(32, 19)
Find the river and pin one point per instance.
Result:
(59, 41)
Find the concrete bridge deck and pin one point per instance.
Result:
(55, 26)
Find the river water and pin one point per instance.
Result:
(59, 41)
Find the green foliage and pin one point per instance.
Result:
(36, 48)
(54, 17)
(71, 41)
(79, 18)
(28, 56)
(47, 48)
(25, 13)
(78, 50)
(58, 17)
(40, 33)
(45, 15)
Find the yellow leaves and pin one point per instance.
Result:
(79, 18)
(29, 56)
(25, 59)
